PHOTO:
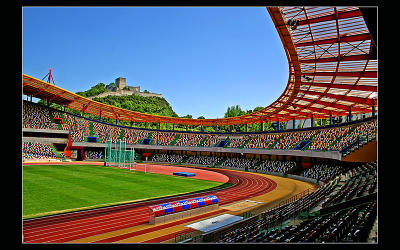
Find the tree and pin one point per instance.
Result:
(93, 91)
(234, 111)
(187, 116)
(257, 109)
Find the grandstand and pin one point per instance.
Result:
(332, 169)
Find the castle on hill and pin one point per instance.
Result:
(121, 89)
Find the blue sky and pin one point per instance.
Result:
(201, 59)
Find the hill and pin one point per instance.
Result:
(149, 105)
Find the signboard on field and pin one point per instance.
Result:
(182, 205)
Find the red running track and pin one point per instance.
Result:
(76, 225)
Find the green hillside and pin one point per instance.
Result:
(149, 105)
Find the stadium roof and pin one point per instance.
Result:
(332, 71)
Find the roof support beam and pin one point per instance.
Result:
(343, 86)
(319, 110)
(342, 97)
(85, 106)
(367, 74)
(336, 59)
(341, 39)
(340, 15)
(335, 105)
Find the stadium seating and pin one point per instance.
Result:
(172, 158)
(323, 172)
(351, 224)
(240, 163)
(36, 116)
(335, 138)
(33, 150)
(91, 155)
(276, 166)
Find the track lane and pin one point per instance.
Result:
(78, 225)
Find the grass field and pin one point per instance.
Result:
(64, 187)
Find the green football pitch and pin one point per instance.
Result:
(53, 188)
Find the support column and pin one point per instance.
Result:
(246, 127)
(330, 118)
(350, 114)
(294, 123)
(312, 121)
(373, 110)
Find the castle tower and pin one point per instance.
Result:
(120, 82)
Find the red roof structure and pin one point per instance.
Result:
(332, 72)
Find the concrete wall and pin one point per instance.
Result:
(44, 140)
(52, 131)
(366, 153)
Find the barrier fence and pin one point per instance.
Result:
(117, 154)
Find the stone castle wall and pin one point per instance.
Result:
(122, 89)
(121, 92)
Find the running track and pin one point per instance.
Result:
(77, 225)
